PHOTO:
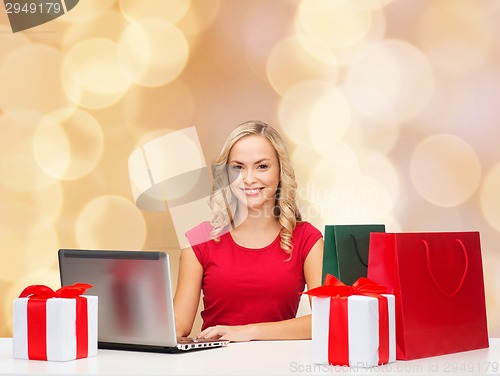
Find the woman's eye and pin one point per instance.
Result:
(262, 167)
(235, 167)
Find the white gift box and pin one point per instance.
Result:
(61, 337)
(363, 329)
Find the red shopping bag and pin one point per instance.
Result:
(437, 279)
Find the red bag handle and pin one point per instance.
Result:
(432, 274)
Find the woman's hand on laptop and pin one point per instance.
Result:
(239, 333)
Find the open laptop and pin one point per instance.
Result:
(136, 310)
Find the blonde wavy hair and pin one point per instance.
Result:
(224, 204)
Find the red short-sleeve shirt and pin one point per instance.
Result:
(242, 285)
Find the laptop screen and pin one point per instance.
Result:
(134, 290)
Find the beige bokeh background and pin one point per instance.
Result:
(389, 109)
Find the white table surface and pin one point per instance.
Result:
(250, 358)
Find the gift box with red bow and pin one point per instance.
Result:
(353, 325)
(55, 325)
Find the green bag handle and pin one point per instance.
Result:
(462, 246)
(357, 251)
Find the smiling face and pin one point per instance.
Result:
(254, 173)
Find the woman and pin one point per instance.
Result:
(255, 256)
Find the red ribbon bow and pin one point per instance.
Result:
(338, 345)
(333, 287)
(45, 292)
(37, 317)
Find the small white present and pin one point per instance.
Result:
(353, 325)
(58, 326)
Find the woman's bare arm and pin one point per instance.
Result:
(187, 294)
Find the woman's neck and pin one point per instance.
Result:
(255, 231)
(256, 221)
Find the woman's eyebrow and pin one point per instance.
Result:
(257, 162)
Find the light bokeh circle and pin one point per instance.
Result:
(68, 144)
(108, 26)
(316, 172)
(152, 52)
(347, 55)
(490, 198)
(296, 109)
(171, 10)
(199, 17)
(374, 120)
(333, 164)
(368, 4)
(19, 170)
(289, 63)
(303, 159)
(99, 82)
(29, 214)
(353, 198)
(110, 222)
(329, 120)
(259, 41)
(334, 22)
(457, 36)
(445, 170)
(397, 71)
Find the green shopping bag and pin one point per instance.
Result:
(346, 251)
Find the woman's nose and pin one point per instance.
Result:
(248, 177)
